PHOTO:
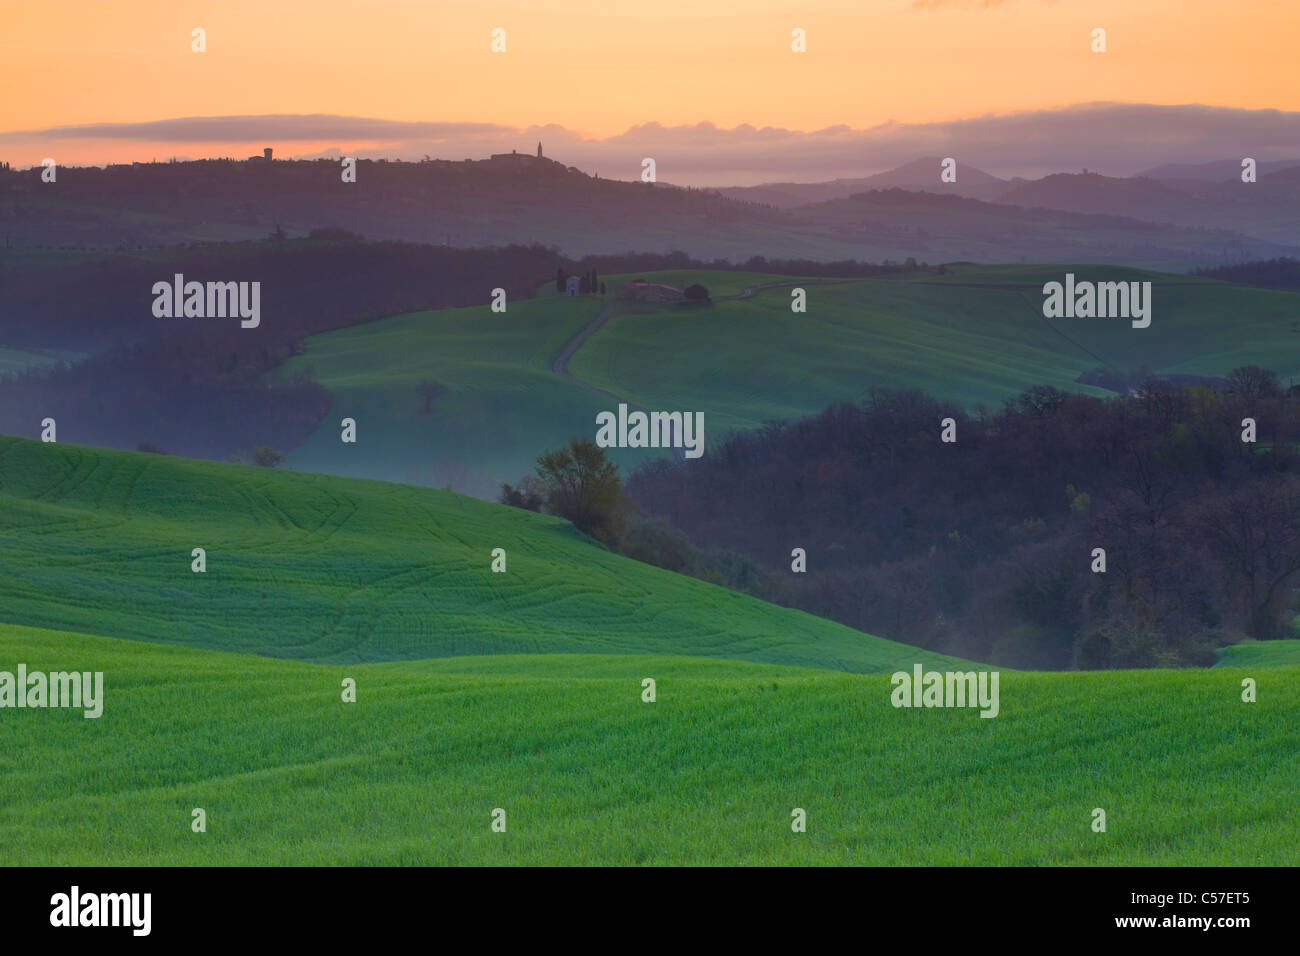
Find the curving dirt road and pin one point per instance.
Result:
(560, 364)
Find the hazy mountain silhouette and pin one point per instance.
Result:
(1268, 209)
(1215, 171)
(520, 198)
(1105, 195)
(939, 228)
(920, 174)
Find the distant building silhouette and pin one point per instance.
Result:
(521, 160)
(266, 154)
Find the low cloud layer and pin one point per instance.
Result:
(1114, 138)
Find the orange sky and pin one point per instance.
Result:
(600, 66)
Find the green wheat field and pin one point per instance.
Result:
(523, 691)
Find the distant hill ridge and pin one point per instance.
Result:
(467, 203)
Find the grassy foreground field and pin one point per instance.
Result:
(361, 580)
(337, 570)
(975, 336)
(589, 774)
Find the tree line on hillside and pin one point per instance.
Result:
(678, 260)
(1283, 273)
(987, 547)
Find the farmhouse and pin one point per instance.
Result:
(642, 291)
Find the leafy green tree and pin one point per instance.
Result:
(530, 495)
(581, 484)
(1252, 382)
(267, 457)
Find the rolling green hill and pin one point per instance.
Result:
(503, 403)
(502, 406)
(337, 570)
(974, 336)
(589, 774)
(523, 691)
(1260, 654)
(977, 336)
